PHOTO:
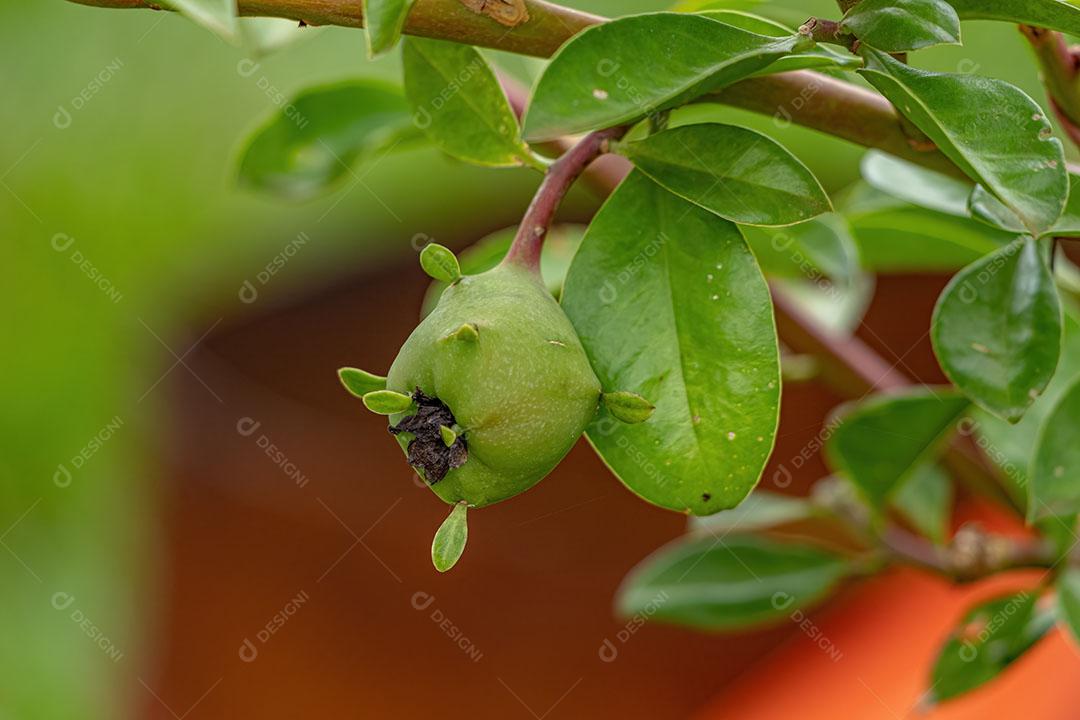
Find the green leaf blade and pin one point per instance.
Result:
(623, 70)
(901, 25)
(997, 329)
(312, 144)
(738, 174)
(458, 102)
(733, 582)
(440, 263)
(1053, 14)
(383, 23)
(669, 303)
(818, 57)
(878, 443)
(1053, 489)
(991, 636)
(994, 132)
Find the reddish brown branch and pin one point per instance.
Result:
(525, 250)
(1060, 67)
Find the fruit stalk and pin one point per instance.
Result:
(525, 250)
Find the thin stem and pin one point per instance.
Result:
(803, 98)
(972, 555)
(525, 250)
(1060, 68)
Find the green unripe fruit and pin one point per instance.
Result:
(498, 361)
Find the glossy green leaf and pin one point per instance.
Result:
(318, 136)
(985, 207)
(821, 250)
(383, 22)
(450, 539)
(879, 442)
(218, 16)
(1053, 14)
(901, 25)
(669, 303)
(925, 500)
(1010, 447)
(1068, 594)
(895, 236)
(623, 70)
(732, 582)
(439, 262)
(736, 173)
(818, 57)
(760, 511)
(458, 102)
(1054, 487)
(916, 184)
(996, 329)
(991, 636)
(360, 382)
(993, 131)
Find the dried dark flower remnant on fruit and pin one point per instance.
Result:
(428, 451)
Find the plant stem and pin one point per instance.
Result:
(803, 98)
(972, 555)
(525, 250)
(1060, 75)
(827, 31)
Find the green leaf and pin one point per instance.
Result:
(813, 250)
(925, 500)
(360, 382)
(318, 136)
(669, 303)
(450, 539)
(991, 636)
(817, 57)
(218, 16)
(916, 184)
(894, 236)
(387, 402)
(627, 407)
(996, 329)
(900, 25)
(985, 207)
(993, 131)
(879, 442)
(439, 262)
(1055, 468)
(732, 582)
(1052, 14)
(458, 102)
(623, 70)
(736, 173)
(760, 511)
(383, 22)
(1011, 447)
(1068, 594)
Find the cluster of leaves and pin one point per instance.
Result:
(667, 287)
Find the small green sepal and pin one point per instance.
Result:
(629, 407)
(450, 539)
(360, 382)
(466, 333)
(387, 402)
(439, 262)
(448, 435)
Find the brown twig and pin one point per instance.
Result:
(525, 250)
(971, 555)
